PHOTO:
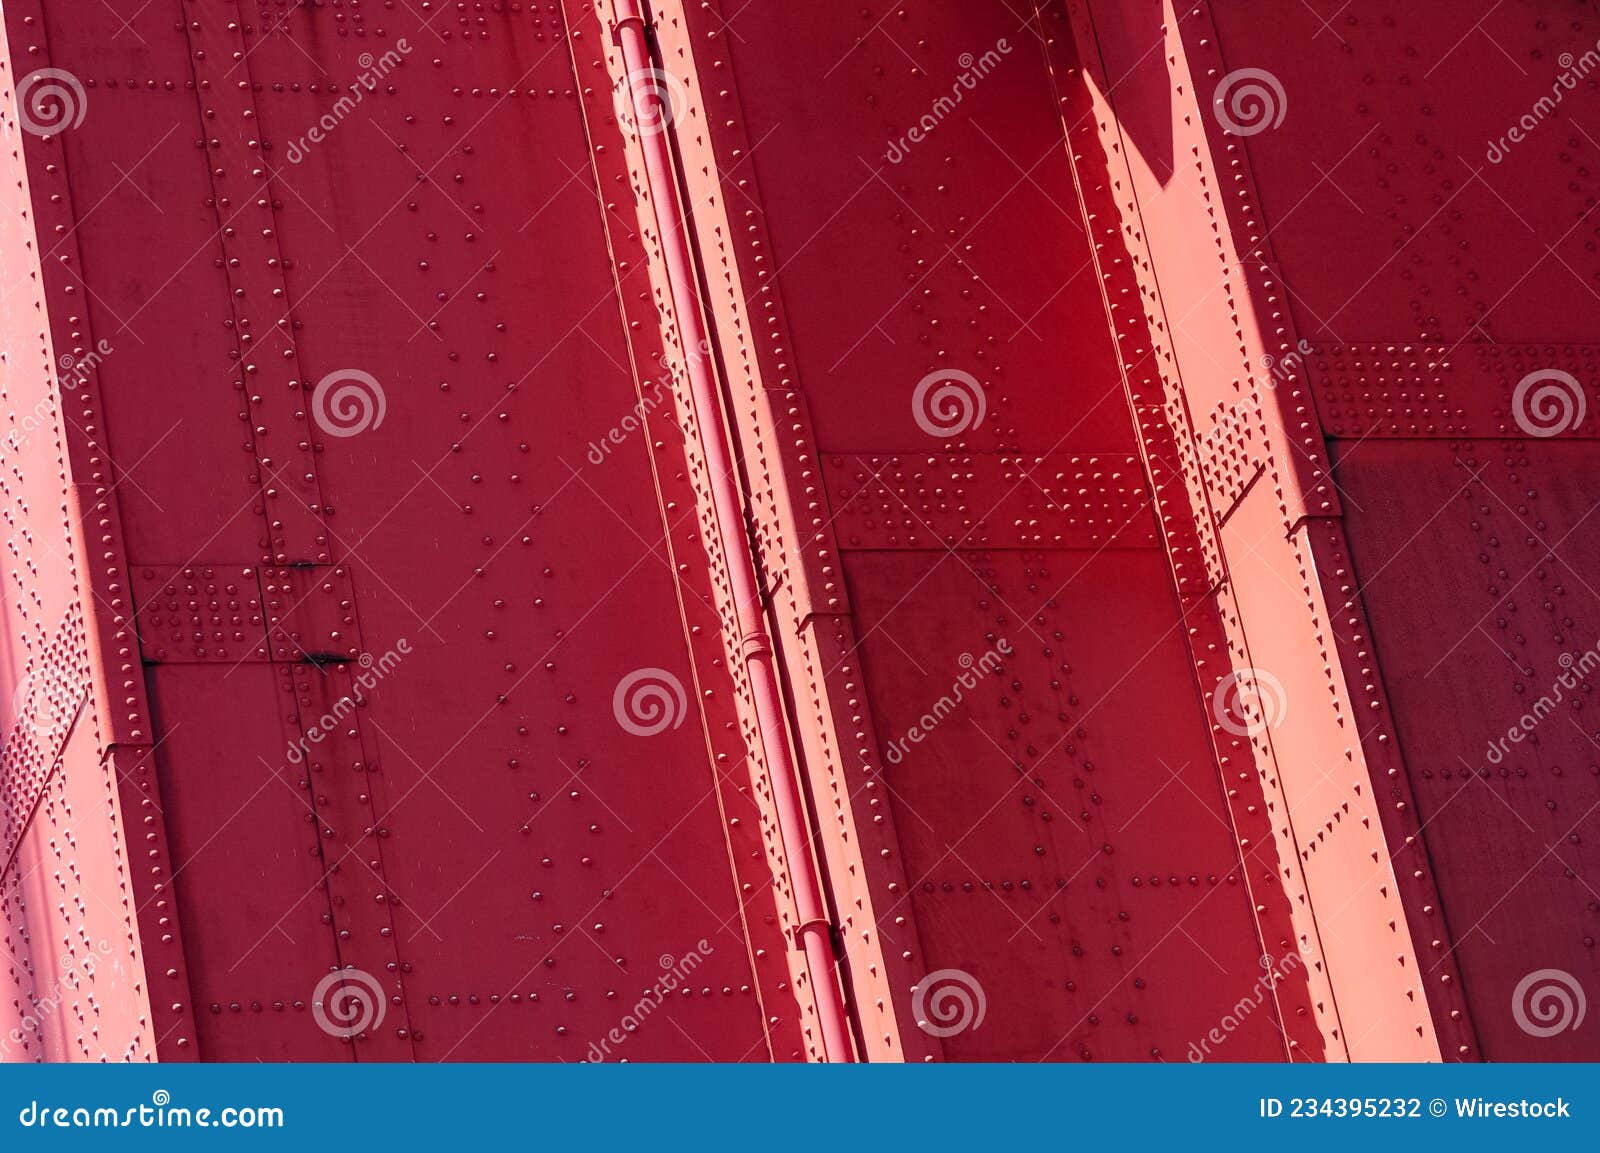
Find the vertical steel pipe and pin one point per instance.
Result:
(755, 645)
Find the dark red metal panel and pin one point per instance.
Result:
(382, 665)
(969, 267)
(1504, 759)
(1063, 823)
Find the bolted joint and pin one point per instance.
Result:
(753, 645)
(627, 12)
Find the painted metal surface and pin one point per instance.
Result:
(1401, 343)
(542, 531)
(1035, 787)
(499, 866)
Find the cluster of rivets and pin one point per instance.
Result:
(1066, 502)
(274, 400)
(199, 613)
(1438, 391)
